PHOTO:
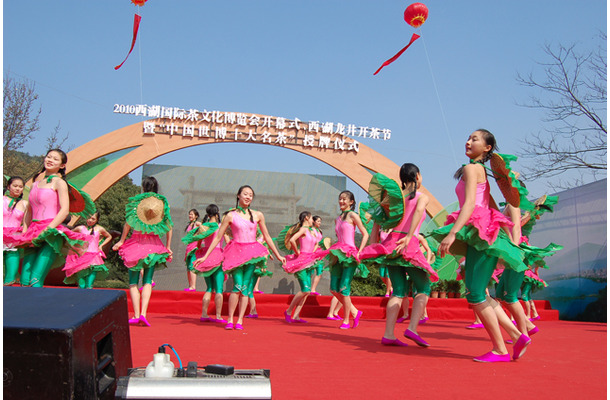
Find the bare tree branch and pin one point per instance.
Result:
(571, 90)
(20, 116)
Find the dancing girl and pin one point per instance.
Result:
(304, 243)
(13, 211)
(83, 269)
(48, 206)
(473, 232)
(191, 248)
(244, 253)
(344, 257)
(148, 215)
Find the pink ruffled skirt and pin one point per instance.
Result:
(238, 254)
(303, 261)
(76, 263)
(140, 246)
(36, 236)
(189, 248)
(214, 259)
(383, 253)
(487, 221)
(9, 236)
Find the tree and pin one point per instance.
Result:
(20, 115)
(571, 91)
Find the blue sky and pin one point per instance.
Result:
(313, 60)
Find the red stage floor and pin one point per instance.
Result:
(319, 361)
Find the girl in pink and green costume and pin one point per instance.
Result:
(474, 232)
(400, 252)
(83, 269)
(211, 269)
(148, 215)
(191, 247)
(344, 257)
(46, 241)
(244, 253)
(13, 211)
(304, 242)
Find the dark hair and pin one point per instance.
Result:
(97, 214)
(194, 211)
(302, 216)
(490, 140)
(237, 201)
(64, 160)
(8, 184)
(350, 195)
(408, 174)
(315, 218)
(212, 211)
(150, 184)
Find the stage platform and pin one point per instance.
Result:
(273, 305)
(316, 360)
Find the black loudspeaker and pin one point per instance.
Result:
(62, 343)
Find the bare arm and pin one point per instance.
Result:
(168, 241)
(107, 236)
(420, 208)
(470, 178)
(294, 238)
(219, 235)
(267, 237)
(126, 229)
(514, 214)
(365, 235)
(64, 202)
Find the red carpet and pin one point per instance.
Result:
(319, 361)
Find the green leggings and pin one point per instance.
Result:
(11, 266)
(526, 291)
(399, 280)
(86, 282)
(341, 279)
(508, 286)
(36, 265)
(304, 278)
(134, 276)
(215, 281)
(478, 270)
(242, 279)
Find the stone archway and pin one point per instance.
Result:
(147, 140)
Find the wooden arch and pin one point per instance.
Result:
(156, 137)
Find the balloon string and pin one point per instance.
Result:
(438, 97)
(140, 57)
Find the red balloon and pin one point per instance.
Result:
(416, 14)
(139, 2)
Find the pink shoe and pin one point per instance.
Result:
(401, 320)
(423, 321)
(520, 347)
(189, 290)
(239, 327)
(152, 285)
(144, 320)
(475, 326)
(299, 321)
(331, 318)
(491, 357)
(387, 295)
(218, 320)
(344, 326)
(315, 293)
(533, 331)
(416, 338)
(252, 316)
(205, 319)
(508, 341)
(390, 342)
(229, 326)
(134, 320)
(259, 292)
(287, 317)
(357, 319)
(536, 318)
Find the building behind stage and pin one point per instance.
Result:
(280, 196)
